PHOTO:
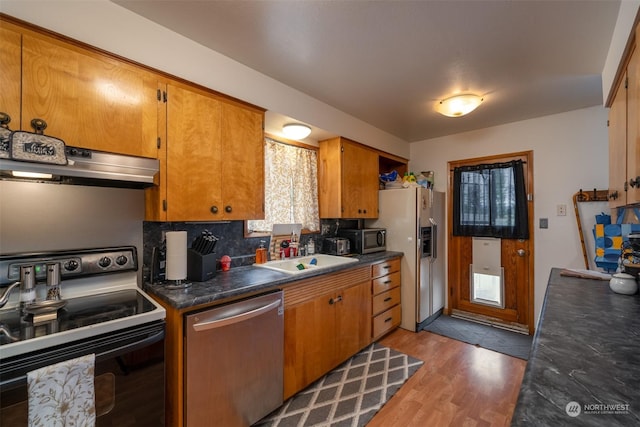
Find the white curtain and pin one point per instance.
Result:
(291, 187)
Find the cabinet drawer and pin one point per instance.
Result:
(386, 300)
(384, 268)
(384, 322)
(385, 283)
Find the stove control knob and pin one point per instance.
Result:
(104, 262)
(71, 265)
(121, 260)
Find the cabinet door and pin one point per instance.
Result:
(359, 181)
(353, 321)
(309, 330)
(242, 166)
(633, 126)
(10, 54)
(193, 155)
(87, 99)
(618, 148)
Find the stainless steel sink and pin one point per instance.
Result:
(292, 266)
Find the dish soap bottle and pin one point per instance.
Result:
(261, 253)
(293, 245)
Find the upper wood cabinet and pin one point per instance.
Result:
(10, 72)
(624, 135)
(87, 98)
(348, 175)
(212, 165)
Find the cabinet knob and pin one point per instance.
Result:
(5, 119)
(335, 300)
(634, 182)
(227, 209)
(39, 125)
(214, 209)
(613, 195)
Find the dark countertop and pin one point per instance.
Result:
(586, 350)
(241, 281)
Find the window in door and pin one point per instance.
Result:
(490, 200)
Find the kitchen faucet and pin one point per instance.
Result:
(5, 295)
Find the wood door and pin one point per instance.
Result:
(309, 337)
(88, 99)
(242, 165)
(359, 181)
(516, 258)
(194, 155)
(10, 72)
(633, 127)
(353, 321)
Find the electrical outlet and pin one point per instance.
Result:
(562, 210)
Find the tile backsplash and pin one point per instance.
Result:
(232, 241)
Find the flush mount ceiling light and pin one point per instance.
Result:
(458, 105)
(296, 131)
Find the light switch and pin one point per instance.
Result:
(544, 222)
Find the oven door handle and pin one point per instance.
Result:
(113, 352)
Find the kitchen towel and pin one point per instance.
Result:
(176, 255)
(63, 394)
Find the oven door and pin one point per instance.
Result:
(129, 376)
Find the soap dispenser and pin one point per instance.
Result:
(261, 253)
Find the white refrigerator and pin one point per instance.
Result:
(414, 219)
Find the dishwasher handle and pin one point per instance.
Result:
(218, 323)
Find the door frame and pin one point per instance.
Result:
(454, 270)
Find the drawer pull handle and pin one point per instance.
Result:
(388, 319)
(388, 299)
(386, 267)
(386, 282)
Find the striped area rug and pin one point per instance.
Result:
(351, 394)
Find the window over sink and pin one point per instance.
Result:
(291, 187)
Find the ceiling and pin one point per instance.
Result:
(388, 62)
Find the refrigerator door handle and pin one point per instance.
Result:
(434, 239)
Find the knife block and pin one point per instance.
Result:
(200, 268)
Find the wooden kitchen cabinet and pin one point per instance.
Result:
(10, 72)
(88, 98)
(624, 135)
(327, 320)
(214, 156)
(386, 310)
(348, 175)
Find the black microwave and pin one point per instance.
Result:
(365, 240)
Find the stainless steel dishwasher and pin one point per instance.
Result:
(234, 362)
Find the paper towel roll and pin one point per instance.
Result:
(176, 255)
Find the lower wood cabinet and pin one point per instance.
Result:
(385, 304)
(327, 319)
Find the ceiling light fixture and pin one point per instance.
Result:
(296, 131)
(458, 105)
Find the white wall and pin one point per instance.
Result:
(570, 152)
(108, 26)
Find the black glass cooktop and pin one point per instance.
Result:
(77, 313)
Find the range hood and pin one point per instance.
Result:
(86, 167)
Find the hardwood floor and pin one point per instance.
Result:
(458, 385)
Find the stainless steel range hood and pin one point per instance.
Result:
(87, 167)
